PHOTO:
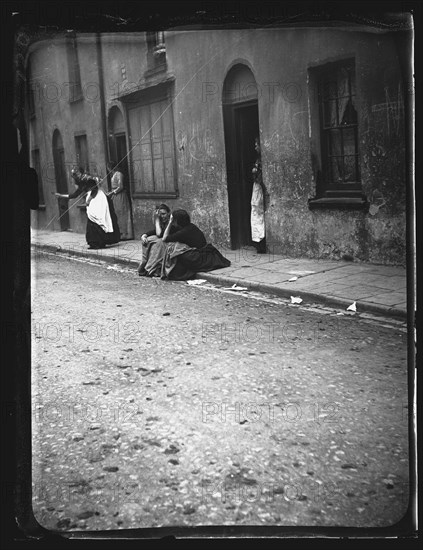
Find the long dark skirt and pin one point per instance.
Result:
(123, 212)
(207, 258)
(97, 237)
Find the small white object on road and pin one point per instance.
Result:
(196, 281)
(235, 287)
(115, 267)
(296, 300)
(352, 307)
(292, 279)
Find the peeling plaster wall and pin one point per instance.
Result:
(282, 77)
(280, 61)
(54, 111)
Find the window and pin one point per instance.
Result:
(152, 146)
(31, 94)
(35, 158)
(156, 51)
(31, 100)
(81, 149)
(75, 88)
(338, 168)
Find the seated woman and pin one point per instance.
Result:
(187, 251)
(102, 227)
(153, 249)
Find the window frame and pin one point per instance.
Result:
(330, 193)
(77, 136)
(148, 98)
(156, 52)
(31, 96)
(74, 70)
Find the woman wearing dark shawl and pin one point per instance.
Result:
(187, 251)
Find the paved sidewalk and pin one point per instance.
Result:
(374, 288)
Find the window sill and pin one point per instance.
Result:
(339, 203)
(162, 195)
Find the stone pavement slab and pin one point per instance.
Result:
(375, 288)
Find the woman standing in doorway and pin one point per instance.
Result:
(120, 198)
(259, 199)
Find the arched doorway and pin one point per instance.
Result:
(118, 150)
(241, 126)
(61, 179)
(117, 142)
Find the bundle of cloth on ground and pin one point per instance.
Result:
(179, 262)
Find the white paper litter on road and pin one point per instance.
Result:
(196, 281)
(292, 279)
(340, 313)
(296, 300)
(116, 268)
(352, 307)
(235, 287)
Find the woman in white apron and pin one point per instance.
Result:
(258, 232)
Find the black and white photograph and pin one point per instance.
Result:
(214, 270)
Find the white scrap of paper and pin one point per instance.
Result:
(292, 279)
(352, 307)
(235, 287)
(296, 300)
(196, 281)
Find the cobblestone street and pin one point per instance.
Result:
(158, 403)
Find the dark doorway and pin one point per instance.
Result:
(61, 180)
(241, 125)
(118, 149)
(122, 158)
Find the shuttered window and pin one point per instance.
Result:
(152, 156)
